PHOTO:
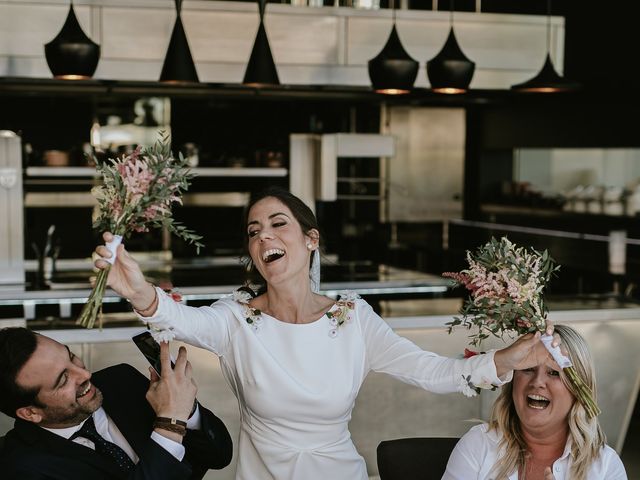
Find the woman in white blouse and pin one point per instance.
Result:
(296, 359)
(538, 430)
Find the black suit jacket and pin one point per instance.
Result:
(31, 452)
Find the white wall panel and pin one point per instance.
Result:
(24, 29)
(134, 33)
(310, 39)
(26, 66)
(309, 45)
(220, 36)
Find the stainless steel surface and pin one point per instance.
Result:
(11, 210)
(209, 292)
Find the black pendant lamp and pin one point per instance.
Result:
(450, 71)
(71, 55)
(393, 71)
(261, 69)
(547, 80)
(178, 64)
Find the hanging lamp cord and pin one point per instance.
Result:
(452, 7)
(548, 26)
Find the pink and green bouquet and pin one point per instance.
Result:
(505, 285)
(136, 195)
(506, 295)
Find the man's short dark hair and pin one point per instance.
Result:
(16, 347)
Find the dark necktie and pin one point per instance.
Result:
(103, 446)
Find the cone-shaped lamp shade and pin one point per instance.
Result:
(546, 81)
(178, 64)
(261, 69)
(393, 71)
(72, 55)
(450, 71)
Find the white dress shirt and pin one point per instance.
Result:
(476, 453)
(109, 431)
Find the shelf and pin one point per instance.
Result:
(200, 172)
(555, 223)
(240, 172)
(496, 209)
(229, 199)
(59, 199)
(87, 200)
(233, 91)
(492, 208)
(61, 172)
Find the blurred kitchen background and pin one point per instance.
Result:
(402, 185)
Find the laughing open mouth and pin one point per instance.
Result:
(85, 391)
(272, 255)
(538, 402)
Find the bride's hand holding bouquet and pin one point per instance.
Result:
(136, 194)
(506, 285)
(125, 276)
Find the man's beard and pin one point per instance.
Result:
(62, 417)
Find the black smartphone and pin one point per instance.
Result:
(150, 349)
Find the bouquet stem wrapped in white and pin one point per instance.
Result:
(136, 194)
(506, 285)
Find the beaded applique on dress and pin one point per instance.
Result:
(339, 314)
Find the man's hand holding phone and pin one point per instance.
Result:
(172, 395)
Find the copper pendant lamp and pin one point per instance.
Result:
(178, 66)
(547, 80)
(450, 71)
(393, 71)
(261, 69)
(71, 55)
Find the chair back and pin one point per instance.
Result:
(414, 458)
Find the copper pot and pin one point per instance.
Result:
(55, 158)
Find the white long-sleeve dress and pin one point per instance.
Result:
(297, 383)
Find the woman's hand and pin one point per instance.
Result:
(125, 276)
(526, 352)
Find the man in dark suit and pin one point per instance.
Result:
(114, 424)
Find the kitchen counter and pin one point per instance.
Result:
(206, 281)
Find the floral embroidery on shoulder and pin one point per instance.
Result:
(253, 316)
(342, 312)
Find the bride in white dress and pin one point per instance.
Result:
(296, 359)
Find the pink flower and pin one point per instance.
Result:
(469, 353)
(521, 322)
(462, 279)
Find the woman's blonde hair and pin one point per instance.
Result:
(585, 433)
